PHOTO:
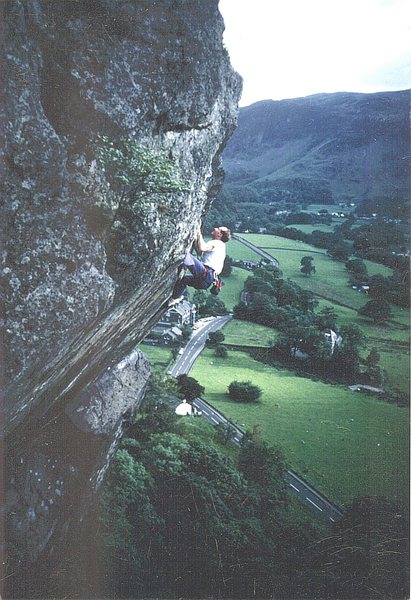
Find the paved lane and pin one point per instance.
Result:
(256, 249)
(196, 343)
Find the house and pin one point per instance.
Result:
(333, 338)
(181, 314)
(247, 264)
(184, 409)
(164, 335)
(169, 328)
(364, 289)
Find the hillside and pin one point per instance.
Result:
(326, 148)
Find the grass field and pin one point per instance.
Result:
(330, 279)
(330, 207)
(330, 283)
(238, 251)
(305, 228)
(244, 333)
(343, 442)
(233, 286)
(159, 356)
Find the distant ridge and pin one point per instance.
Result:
(324, 148)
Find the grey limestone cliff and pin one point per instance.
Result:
(86, 269)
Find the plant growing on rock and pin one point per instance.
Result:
(135, 172)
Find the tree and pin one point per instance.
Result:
(346, 357)
(374, 371)
(175, 501)
(257, 284)
(221, 351)
(189, 387)
(380, 286)
(186, 331)
(227, 267)
(304, 338)
(226, 431)
(242, 312)
(214, 307)
(262, 464)
(326, 318)
(356, 266)
(268, 272)
(199, 298)
(367, 555)
(215, 338)
(244, 391)
(373, 358)
(340, 250)
(307, 266)
(378, 310)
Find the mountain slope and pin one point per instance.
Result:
(326, 147)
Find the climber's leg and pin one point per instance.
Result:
(181, 284)
(201, 276)
(194, 265)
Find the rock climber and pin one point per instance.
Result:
(204, 273)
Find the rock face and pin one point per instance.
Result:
(87, 264)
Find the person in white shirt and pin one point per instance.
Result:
(204, 272)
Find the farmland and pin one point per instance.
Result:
(330, 285)
(343, 442)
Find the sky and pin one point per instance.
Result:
(293, 48)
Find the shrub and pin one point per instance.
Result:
(221, 351)
(215, 338)
(244, 391)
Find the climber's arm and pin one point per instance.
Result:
(203, 246)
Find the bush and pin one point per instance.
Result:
(215, 338)
(221, 351)
(244, 391)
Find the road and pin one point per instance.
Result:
(196, 343)
(256, 249)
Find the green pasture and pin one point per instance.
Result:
(270, 242)
(330, 283)
(314, 208)
(233, 286)
(345, 443)
(159, 356)
(305, 228)
(244, 333)
(330, 280)
(238, 251)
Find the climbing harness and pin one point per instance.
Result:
(217, 285)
